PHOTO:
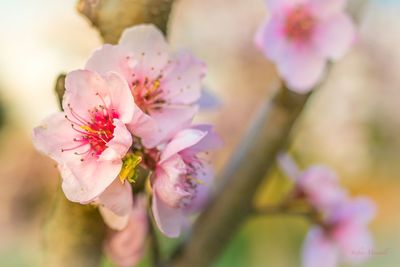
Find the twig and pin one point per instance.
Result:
(286, 208)
(232, 203)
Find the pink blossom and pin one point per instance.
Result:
(126, 247)
(89, 139)
(182, 178)
(343, 236)
(321, 187)
(318, 184)
(166, 87)
(301, 35)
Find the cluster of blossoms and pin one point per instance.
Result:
(340, 232)
(301, 35)
(131, 108)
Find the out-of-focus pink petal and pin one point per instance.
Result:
(110, 58)
(148, 47)
(282, 5)
(121, 100)
(327, 8)
(182, 79)
(125, 248)
(334, 36)
(302, 68)
(113, 220)
(208, 101)
(169, 220)
(117, 198)
(270, 38)
(360, 209)
(364, 208)
(119, 145)
(182, 140)
(350, 230)
(318, 250)
(354, 241)
(84, 181)
(52, 135)
(288, 166)
(322, 188)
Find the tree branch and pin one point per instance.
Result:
(74, 235)
(232, 203)
(111, 17)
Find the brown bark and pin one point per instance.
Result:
(73, 235)
(232, 203)
(111, 17)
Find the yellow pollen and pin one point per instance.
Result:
(196, 180)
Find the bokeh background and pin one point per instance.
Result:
(352, 122)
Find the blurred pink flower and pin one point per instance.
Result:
(165, 87)
(301, 35)
(343, 236)
(321, 187)
(318, 184)
(182, 179)
(126, 247)
(89, 139)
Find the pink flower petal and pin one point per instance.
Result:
(352, 237)
(270, 38)
(84, 181)
(147, 45)
(182, 80)
(302, 68)
(289, 167)
(119, 145)
(205, 177)
(169, 220)
(334, 36)
(184, 139)
(120, 96)
(113, 220)
(208, 100)
(84, 91)
(167, 178)
(210, 141)
(145, 127)
(53, 134)
(117, 198)
(111, 58)
(125, 248)
(361, 210)
(327, 8)
(318, 250)
(171, 119)
(322, 187)
(282, 5)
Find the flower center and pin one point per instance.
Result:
(299, 24)
(148, 94)
(94, 133)
(190, 183)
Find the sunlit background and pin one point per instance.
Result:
(352, 122)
